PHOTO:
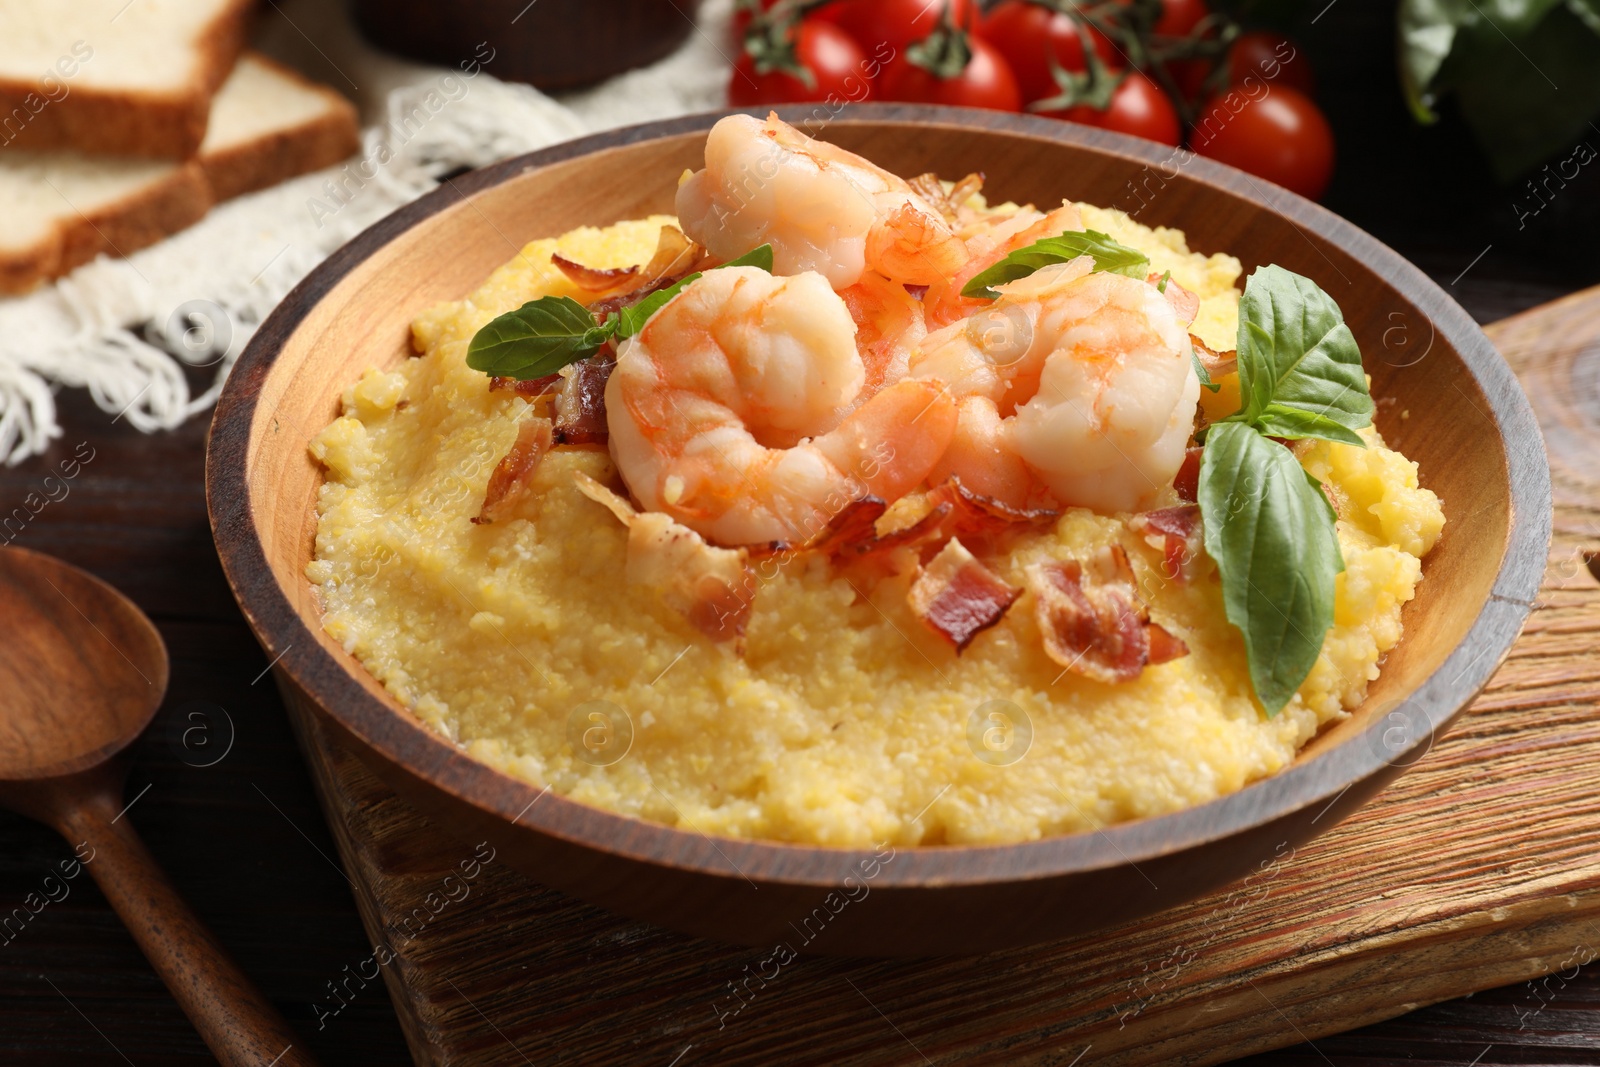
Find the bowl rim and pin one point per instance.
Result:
(402, 740)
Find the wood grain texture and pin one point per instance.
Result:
(1478, 867)
(1469, 426)
(83, 672)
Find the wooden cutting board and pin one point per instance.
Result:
(1477, 868)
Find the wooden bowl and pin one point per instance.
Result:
(1449, 402)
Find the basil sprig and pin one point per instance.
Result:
(1108, 256)
(544, 335)
(1299, 366)
(1267, 523)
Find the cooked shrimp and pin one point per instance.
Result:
(987, 243)
(726, 411)
(1073, 385)
(820, 207)
(889, 326)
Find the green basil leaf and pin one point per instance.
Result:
(1282, 421)
(1271, 532)
(1295, 352)
(537, 339)
(1201, 372)
(759, 256)
(1507, 95)
(1504, 60)
(632, 319)
(1108, 256)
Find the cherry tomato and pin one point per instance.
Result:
(883, 28)
(839, 70)
(1279, 135)
(1180, 17)
(1271, 57)
(1027, 34)
(986, 81)
(1138, 107)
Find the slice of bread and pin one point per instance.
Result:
(119, 77)
(269, 124)
(64, 208)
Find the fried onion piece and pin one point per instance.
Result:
(1175, 533)
(711, 587)
(1092, 620)
(511, 475)
(958, 597)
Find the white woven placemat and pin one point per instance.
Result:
(124, 328)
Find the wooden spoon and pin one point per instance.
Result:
(82, 672)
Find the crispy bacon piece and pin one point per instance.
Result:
(950, 510)
(1092, 620)
(958, 597)
(975, 516)
(1185, 303)
(712, 587)
(580, 405)
(1175, 532)
(594, 279)
(1187, 480)
(676, 257)
(1217, 364)
(853, 535)
(515, 469)
(528, 390)
(674, 252)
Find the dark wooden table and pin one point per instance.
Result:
(224, 801)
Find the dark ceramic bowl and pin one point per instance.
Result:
(553, 44)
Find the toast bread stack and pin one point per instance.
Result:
(120, 77)
(156, 117)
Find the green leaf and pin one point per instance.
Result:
(630, 320)
(759, 256)
(1427, 30)
(1509, 96)
(546, 334)
(1299, 365)
(1272, 534)
(1504, 60)
(1108, 256)
(1201, 372)
(1282, 421)
(537, 339)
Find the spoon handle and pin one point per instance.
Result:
(238, 1023)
